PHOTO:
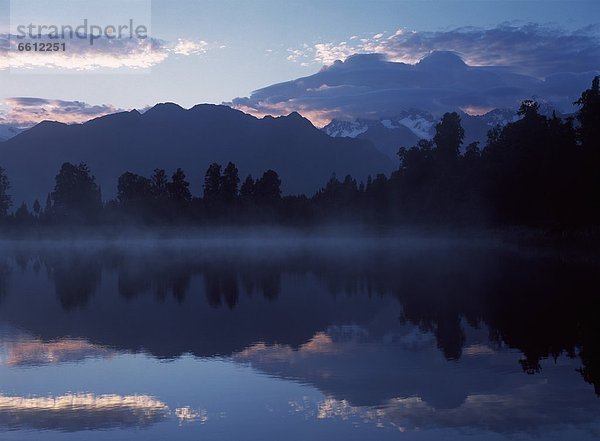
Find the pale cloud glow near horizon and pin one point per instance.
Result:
(216, 51)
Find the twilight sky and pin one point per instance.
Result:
(215, 51)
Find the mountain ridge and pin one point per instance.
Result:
(169, 136)
(390, 133)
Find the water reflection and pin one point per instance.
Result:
(75, 277)
(410, 334)
(75, 412)
(23, 350)
(519, 411)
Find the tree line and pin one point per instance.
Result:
(538, 171)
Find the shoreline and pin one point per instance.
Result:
(574, 243)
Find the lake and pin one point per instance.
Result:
(270, 338)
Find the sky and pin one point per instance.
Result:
(216, 51)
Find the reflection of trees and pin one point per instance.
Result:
(75, 278)
(262, 277)
(221, 284)
(541, 306)
(549, 311)
(161, 278)
(133, 282)
(590, 358)
(4, 275)
(224, 280)
(21, 259)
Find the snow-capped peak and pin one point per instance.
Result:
(421, 123)
(346, 129)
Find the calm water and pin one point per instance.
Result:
(332, 339)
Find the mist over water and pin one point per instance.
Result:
(341, 333)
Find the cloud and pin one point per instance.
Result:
(371, 86)
(28, 111)
(302, 55)
(104, 53)
(532, 49)
(190, 47)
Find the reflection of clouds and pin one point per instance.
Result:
(188, 415)
(530, 408)
(73, 412)
(347, 333)
(34, 352)
(526, 408)
(321, 343)
(338, 339)
(261, 352)
(398, 382)
(413, 340)
(477, 350)
(331, 408)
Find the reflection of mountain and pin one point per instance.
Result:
(365, 370)
(210, 301)
(402, 380)
(74, 412)
(523, 409)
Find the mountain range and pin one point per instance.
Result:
(372, 107)
(168, 136)
(406, 128)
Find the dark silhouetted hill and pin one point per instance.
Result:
(168, 136)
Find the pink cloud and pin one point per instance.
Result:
(28, 111)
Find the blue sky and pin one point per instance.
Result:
(238, 46)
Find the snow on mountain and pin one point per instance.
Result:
(388, 124)
(403, 130)
(387, 134)
(347, 129)
(499, 117)
(419, 122)
(422, 125)
(7, 132)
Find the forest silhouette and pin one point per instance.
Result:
(537, 171)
